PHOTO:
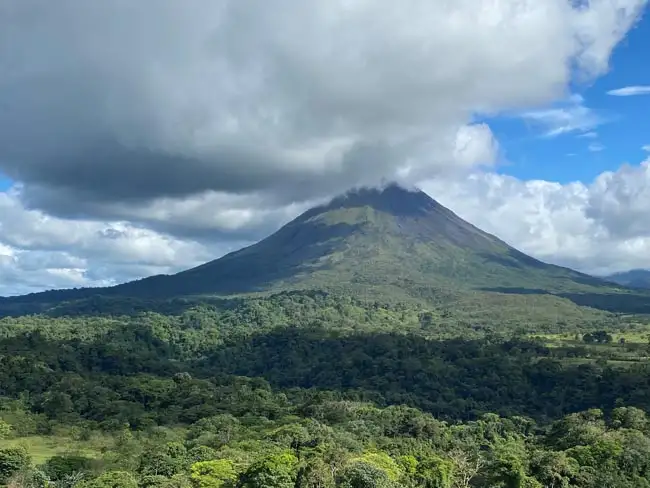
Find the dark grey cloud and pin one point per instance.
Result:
(121, 101)
(109, 173)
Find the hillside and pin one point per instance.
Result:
(389, 244)
(635, 278)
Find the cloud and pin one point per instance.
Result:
(620, 200)
(646, 148)
(131, 104)
(573, 117)
(209, 216)
(630, 91)
(595, 147)
(38, 251)
(588, 135)
(599, 228)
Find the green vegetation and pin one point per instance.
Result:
(378, 341)
(357, 445)
(619, 348)
(44, 447)
(307, 390)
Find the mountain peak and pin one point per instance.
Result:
(391, 198)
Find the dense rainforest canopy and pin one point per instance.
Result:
(313, 391)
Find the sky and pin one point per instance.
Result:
(137, 140)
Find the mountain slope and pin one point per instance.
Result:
(635, 278)
(372, 238)
(389, 242)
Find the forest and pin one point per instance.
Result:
(314, 390)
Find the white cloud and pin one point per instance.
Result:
(210, 215)
(475, 144)
(596, 147)
(646, 148)
(598, 228)
(630, 91)
(588, 135)
(574, 117)
(620, 200)
(39, 252)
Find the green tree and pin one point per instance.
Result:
(216, 430)
(554, 469)
(113, 479)
(599, 336)
(5, 429)
(466, 466)
(364, 475)
(213, 474)
(581, 428)
(179, 481)
(435, 472)
(382, 461)
(167, 460)
(60, 467)
(127, 450)
(507, 467)
(30, 478)
(201, 453)
(12, 461)
(629, 418)
(274, 471)
(154, 481)
(315, 474)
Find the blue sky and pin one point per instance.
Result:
(5, 183)
(620, 124)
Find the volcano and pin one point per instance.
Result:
(388, 241)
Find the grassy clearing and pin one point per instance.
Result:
(630, 337)
(42, 448)
(628, 347)
(634, 333)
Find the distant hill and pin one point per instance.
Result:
(636, 278)
(389, 243)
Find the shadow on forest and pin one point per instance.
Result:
(107, 306)
(454, 379)
(631, 302)
(116, 306)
